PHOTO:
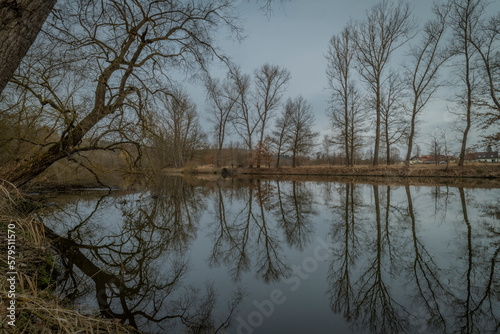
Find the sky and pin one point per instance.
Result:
(296, 36)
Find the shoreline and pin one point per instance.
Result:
(385, 171)
(482, 175)
(491, 171)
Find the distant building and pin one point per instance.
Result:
(432, 159)
(482, 157)
(415, 160)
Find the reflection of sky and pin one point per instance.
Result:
(297, 35)
(439, 227)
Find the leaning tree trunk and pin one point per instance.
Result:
(68, 144)
(65, 147)
(73, 137)
(20, 22)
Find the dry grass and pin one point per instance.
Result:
(471, 175)
(38, 309)
(8, 195)
(39, 313)
(453, 171)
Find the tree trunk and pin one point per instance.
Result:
(469, 104)
(410, 140)
(278, 157)
(346, 130)
(27, 172)
(67, 145)
(467, 127)
(464, 140)
(20, 22)
(352, 139)
(219, 157)
(387, 144)
(250, 150)
(64, 148)
(261, 143)
(377, 128)
(351, 163)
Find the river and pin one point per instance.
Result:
(283, 256)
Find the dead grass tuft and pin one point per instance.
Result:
(38, 309)
(40, 313)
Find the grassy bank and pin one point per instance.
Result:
(481, 173)
(488, 171)
(38, 309)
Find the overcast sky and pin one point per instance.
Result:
(296, 36)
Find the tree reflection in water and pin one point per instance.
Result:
(137, 264)
(413, 291)
(251, 228)
(404, 258)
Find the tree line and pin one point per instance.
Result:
(246, 107)
(366, 84)
(101, 77)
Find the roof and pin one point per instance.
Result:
(481, 155)
(425, 158)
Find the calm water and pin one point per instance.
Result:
(284, 256)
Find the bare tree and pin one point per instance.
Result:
(267, 5)
(345, 111)
(123, 50)
(178, 129)
(388, 26)
(222, 101)
(245, 121)
(421, 75)
(325, 152)
(394, 127)
(435, 147)
(465, 18)
(270, 83)
(445, 147)
(282, 128)
(486, 42)
(300, 137)
(20, 23)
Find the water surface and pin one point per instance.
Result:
(270, 256)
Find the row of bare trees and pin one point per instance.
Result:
(175, 132)
(100, 71)
(102, 76)
(364, 83)
(246, 107)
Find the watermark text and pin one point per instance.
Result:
(265, 308)
(11, 274)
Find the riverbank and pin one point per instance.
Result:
(471, 171)
(483, 175)
(487, 171)
(29, 279)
